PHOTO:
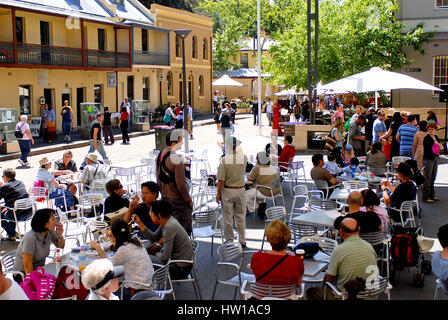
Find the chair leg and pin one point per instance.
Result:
(214, 287)
(234, 294)
(196, 284)
(262, 242)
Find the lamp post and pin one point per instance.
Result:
(183, 33)
(259, 65)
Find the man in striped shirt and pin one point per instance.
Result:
(405, 136)
(352, 259)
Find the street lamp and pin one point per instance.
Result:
(183, 33)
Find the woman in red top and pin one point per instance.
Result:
(124, 120)
(290, 270)
(276, 116)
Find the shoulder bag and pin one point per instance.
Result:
(273, 267)
(18, 132)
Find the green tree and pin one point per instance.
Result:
(225, 45)
(353, 37)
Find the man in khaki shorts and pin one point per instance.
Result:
(231, 171)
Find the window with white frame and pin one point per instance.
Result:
(440, 70)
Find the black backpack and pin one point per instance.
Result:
(165, 175)
(404, 249)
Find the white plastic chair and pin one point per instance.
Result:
(440, 284)
(205, 224)
(300, 230)
(300, 203)
(22, 204)
(39, 192)
(90, 200)
(323, 185)
(353, 184)
(8, 261)
(192, 277)
(381, 285)
(274, 185)
(406, 213)
(397, 160)
(160, 280)
(296, 170)
(73, 228)
(380, 242)
(327, 245)
(323, 205)
(273, 213)
(200, 159)
(264, 291)
(231, 257)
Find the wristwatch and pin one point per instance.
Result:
(158, 245)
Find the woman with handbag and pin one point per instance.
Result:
(24, 138)
(35, 245)
(431, 151)
(277, 266)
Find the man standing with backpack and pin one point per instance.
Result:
(171, 177)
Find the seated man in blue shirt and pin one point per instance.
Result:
(439, 261)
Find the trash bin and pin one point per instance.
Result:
(161, 132)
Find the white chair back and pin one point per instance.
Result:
(8, 260)
(326, 244)
(276, 213)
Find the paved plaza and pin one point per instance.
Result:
(206, 137)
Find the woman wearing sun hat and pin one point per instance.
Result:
(56, 190)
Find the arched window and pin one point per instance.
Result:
(194, 48)
(178, 47)
(169, 83)
(201, 86)
(204, 49)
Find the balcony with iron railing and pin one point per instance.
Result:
(34, 54)
(151, 58)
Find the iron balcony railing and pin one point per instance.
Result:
(151, 58)
(107, 59)
(62, 56)
(48, 55)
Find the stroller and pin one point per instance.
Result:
(405, 252)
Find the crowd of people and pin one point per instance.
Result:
(157, 225)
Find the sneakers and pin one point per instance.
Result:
(428, 200)
(436, 199)
(22, 163)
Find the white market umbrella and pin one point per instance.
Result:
(287, 92)
(225, 81)
(377, 79)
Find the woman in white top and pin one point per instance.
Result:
(102, 280)
(130, 254)
(25, 139)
